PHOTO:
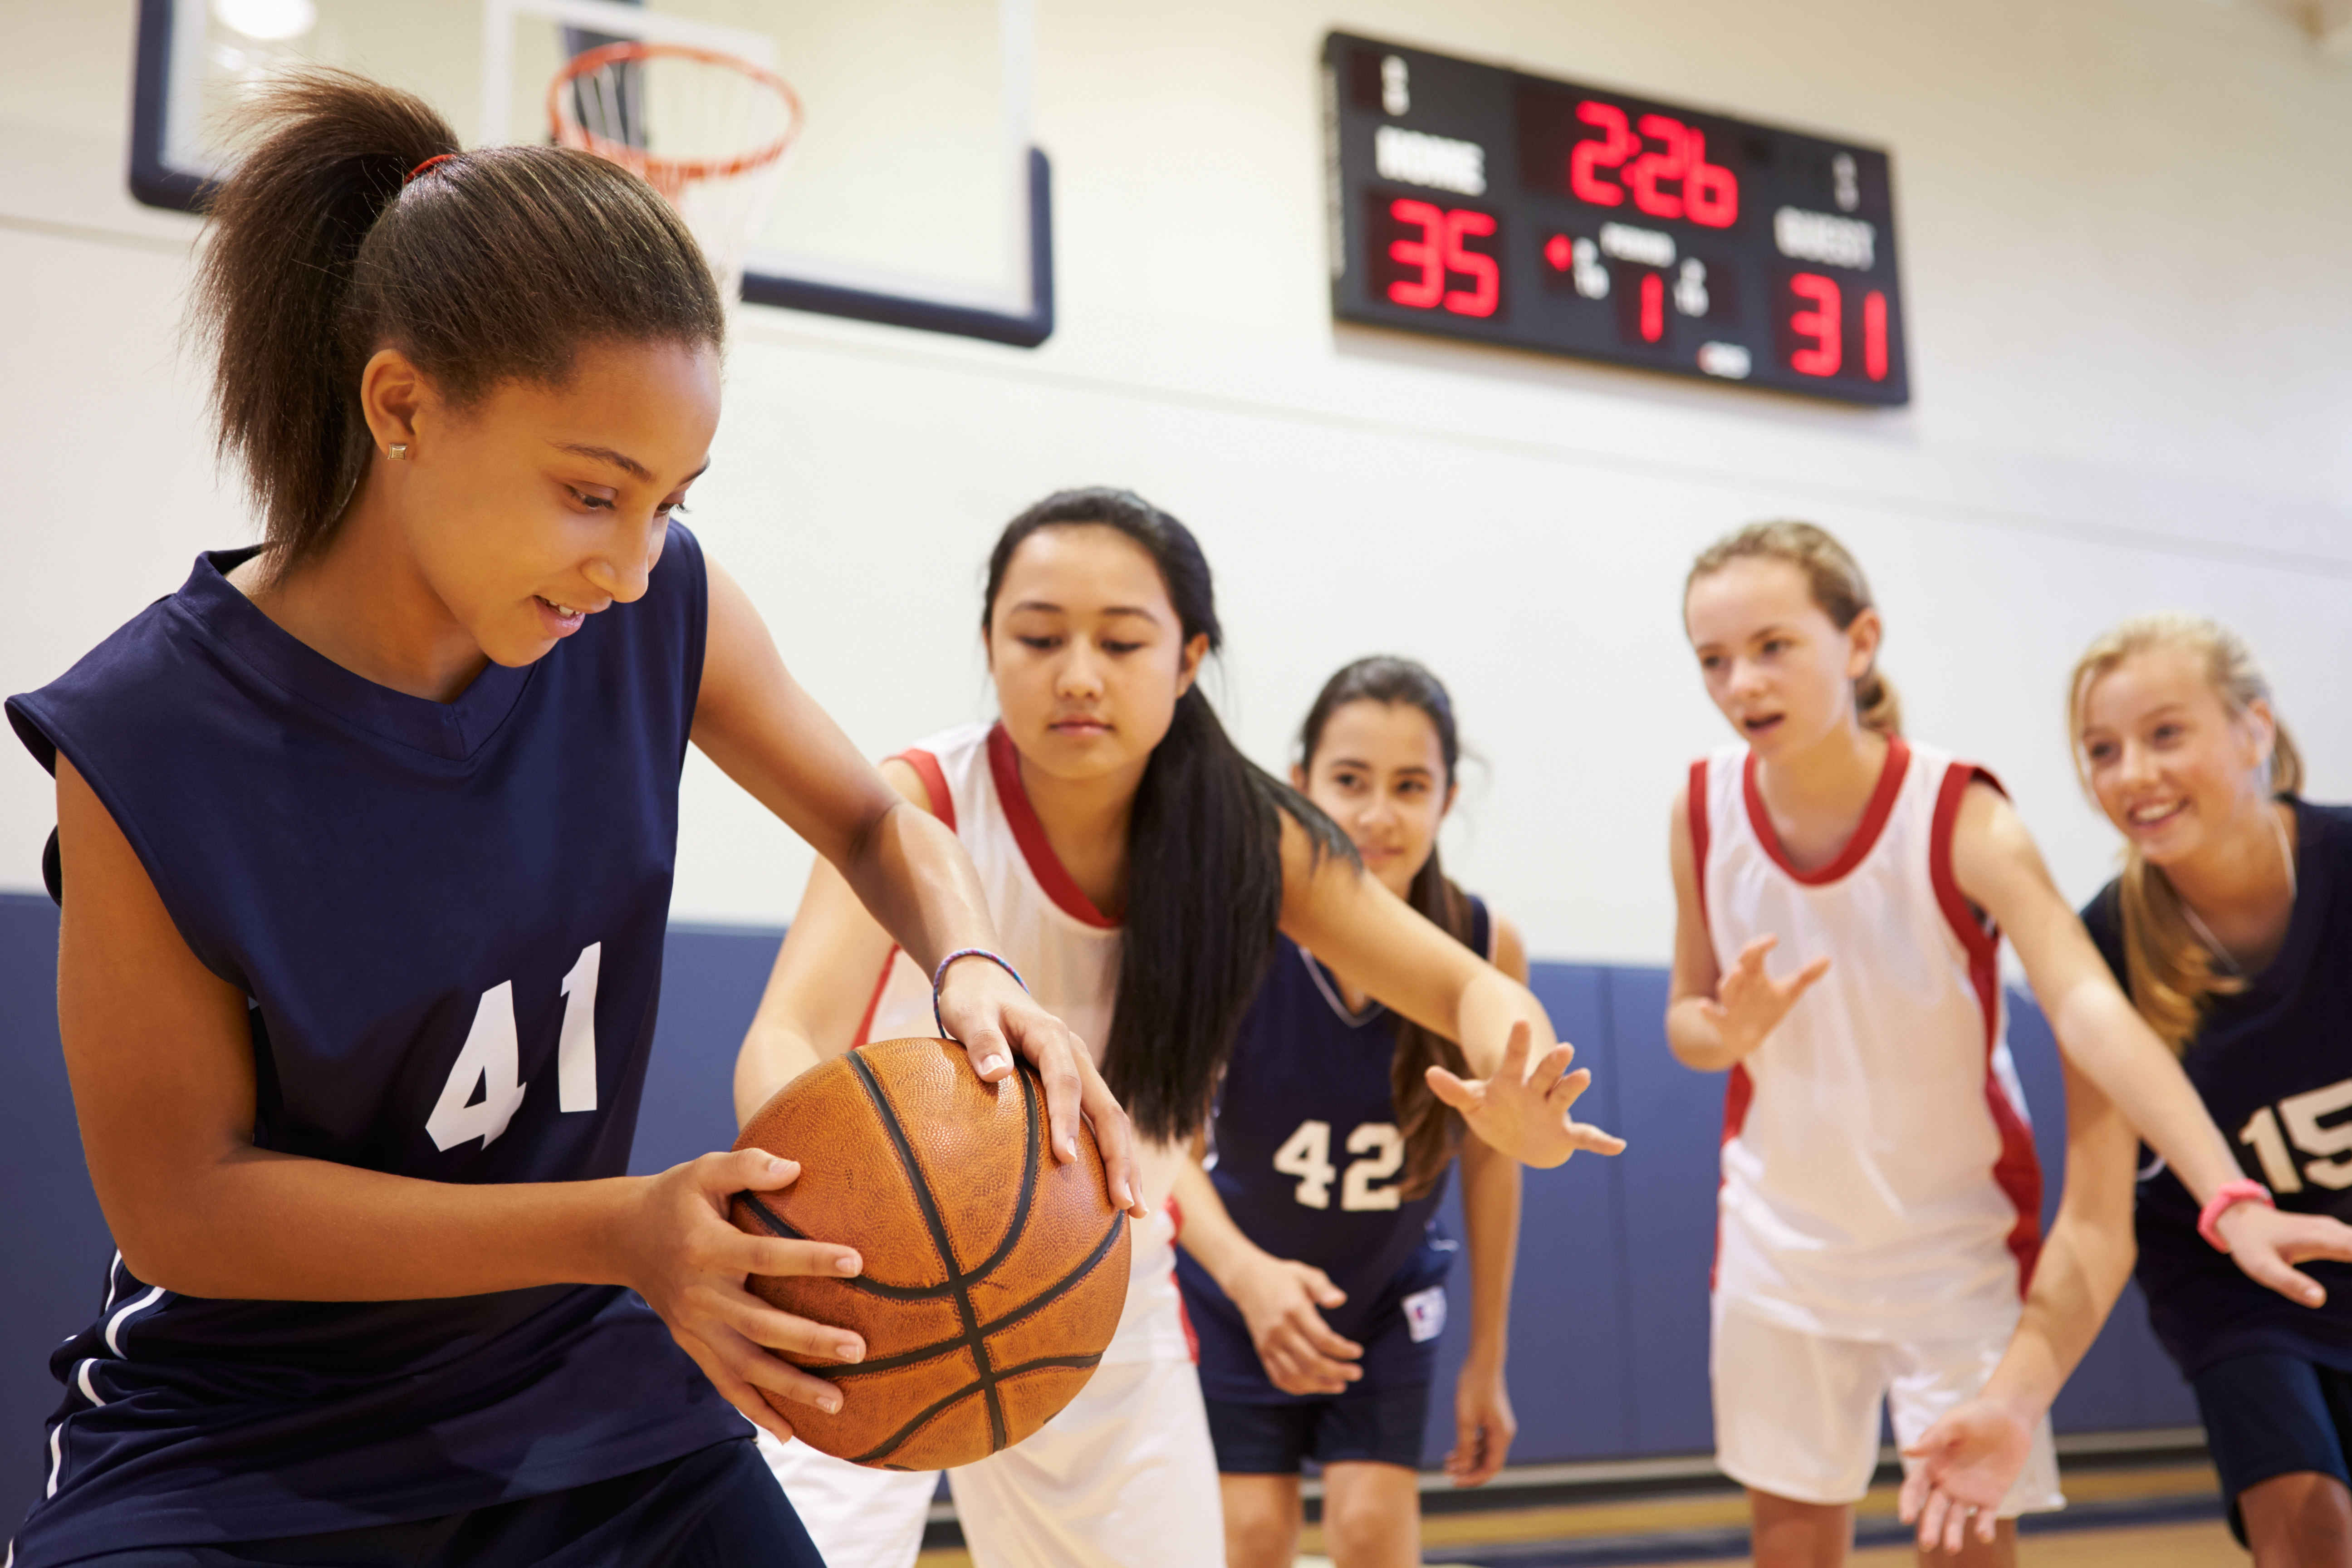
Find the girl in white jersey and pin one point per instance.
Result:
(1137, 868)
(1879, 1216)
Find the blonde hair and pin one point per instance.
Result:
(1839, 591)
(2171, 971)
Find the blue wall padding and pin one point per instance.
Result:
(1607, 1317)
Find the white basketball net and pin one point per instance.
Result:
(706, 129)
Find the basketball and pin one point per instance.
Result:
(995, 1273)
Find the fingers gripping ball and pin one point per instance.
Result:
(995, 1273)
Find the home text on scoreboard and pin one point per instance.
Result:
(1481, 203)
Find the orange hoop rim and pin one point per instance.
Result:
(669, 172)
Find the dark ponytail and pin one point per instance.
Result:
(1204, 844)
(1431, 1129)
(494, 264)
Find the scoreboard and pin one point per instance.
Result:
(1476, 201)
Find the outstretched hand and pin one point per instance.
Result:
(1749, 1003)
(1961, 1470)
(687, 1259)
(985, 1010)
(1525, 1112)
(2267, 1243)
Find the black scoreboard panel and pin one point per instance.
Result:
(1479, 203)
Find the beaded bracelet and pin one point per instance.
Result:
(2226, 1196)
(939, 975)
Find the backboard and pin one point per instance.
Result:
(913, 197)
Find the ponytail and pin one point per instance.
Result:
(497, 264)
(1839, 591)
(2171, 972)
(1204, 850)
(1431, 1129)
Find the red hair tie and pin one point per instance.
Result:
(437, 158)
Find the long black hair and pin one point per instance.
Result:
(1432, 1129)
(1203, 845)
(354, 222)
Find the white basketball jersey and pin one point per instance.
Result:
(1067, 952)
(1879, 1179)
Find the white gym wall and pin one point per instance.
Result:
(2123, 226)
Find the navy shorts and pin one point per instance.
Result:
(2270, 1415)
(716, 1507)
(1378, 1426)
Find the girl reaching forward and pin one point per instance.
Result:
(1880, 1199)
(2229, 927)
(1139, 869)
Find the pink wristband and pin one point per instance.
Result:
(2227, 1196)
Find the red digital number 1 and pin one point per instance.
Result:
(1873, 335)
(1820, 323)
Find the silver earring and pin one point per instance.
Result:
(399, 452)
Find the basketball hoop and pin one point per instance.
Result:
(706, 129)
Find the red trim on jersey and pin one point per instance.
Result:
(1004, 764)
(935, 782)
(1175, 1218)
(1191, 1338)
(1695, 804)
(865, 1036)
(2017, 1169)
(1738, 1088)
(1865, 833)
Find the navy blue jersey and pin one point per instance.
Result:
(1310, 1164)
(447, 920)
(2275, 1066)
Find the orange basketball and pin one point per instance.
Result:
(995, 1273)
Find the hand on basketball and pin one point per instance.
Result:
(1279, 1300)
(1484, 1426)
(986, 1011)
(682, 1254)
(1749, 1004)
(1523, 1112)
(2267, 1243)
(1961, 1468)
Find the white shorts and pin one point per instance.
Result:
(1796, 1413)
(1123, 1478)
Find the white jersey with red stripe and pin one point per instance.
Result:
(1126, 1476)
(1879, 1179)
(1066, 951)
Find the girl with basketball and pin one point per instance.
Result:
(1319, 1295)
(2228, 928)
(1886, 1261)
(365, 841)
(1139, 869)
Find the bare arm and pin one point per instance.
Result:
(1522, 1096)
(1999, 870)
(1278, 1297)
(832, 957)
(159, 1055)
(1714, 1020)
(901, 864)
(1483, 1421)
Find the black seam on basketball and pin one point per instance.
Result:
(783, 1228)
(897, 1440)
(941, 1240)
(1043, 1299)
(1030, 1138)
(1045, 1363)
(891, 1445)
